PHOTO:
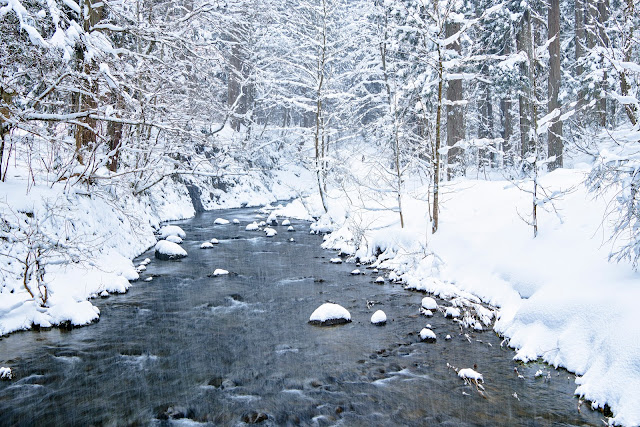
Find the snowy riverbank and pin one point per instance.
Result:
(85, 240)
(559, 298)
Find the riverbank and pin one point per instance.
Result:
(558, 297)
(84, 238)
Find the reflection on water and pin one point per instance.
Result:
(232, 349)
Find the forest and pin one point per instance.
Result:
(486, 145)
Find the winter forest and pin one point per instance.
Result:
(483, 152)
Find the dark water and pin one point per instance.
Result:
(223, 350)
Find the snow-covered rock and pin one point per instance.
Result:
(272, 219)
(452, 312)
(236, 221)
(214, 241)
(104, 294)
(356, 272)
(429, 303)
(335, 260)
(379, 318)
(330, 314)
(206, 245)
(146, 261)
(426, 312)
(290, 228)
(470, 374)
(286, 222)
(270, 232)
(428, 335)
(141, 268)
(448, 337)
(148, 279)
(174, 239)
(379, 279)
(171, 230)
(292, 239)
(252, 227)
(221, 221)
(262, 224)
(166, 250)
(220, 272)
(5, 373)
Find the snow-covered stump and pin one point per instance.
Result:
(330, 314)
(168, 251)
(379, 318)
(427, 335)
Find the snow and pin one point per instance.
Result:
(214, 241)
(285, 222)
(5, 373)
(379, 279)
(236, 221)
(171, 230)
(290, 228)
(556, 297)
(429, 303)
(174, 239)
(379, 317)
(330, 312)
(270, 232)
(356, 272)
(427, 334)
(164, 247)
(470, 374)
(335, 260)
(272, 219)
(221, 221)
(220, 272)
(452, 312)
(206, 245)
(252, 227)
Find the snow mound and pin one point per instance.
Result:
(330, 314)
(429, 303)
(452, 312)
(236, 221)
(379, 279)
(272, 219)
(379, 318)
(146, 261)
(174, 239)
(165, 250)
(220, 272)
(206, 245)
(270, 232)
(214, 241)
(356, 272)
(5, 373)
(335, 261)
(290, 228)
(104, 294)
(470, 374)
(221, 221)
(426, 312)
(171, 230)
(252, 227)
(76, 313)
(286, 222)
(428, 335)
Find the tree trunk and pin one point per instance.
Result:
(114, 131)
(436, 150)
(554, 138)
(455, 114)
(627, 49)
(579, 35)
(603, 41)
(86, 102)
(525, 99)
(505, 111)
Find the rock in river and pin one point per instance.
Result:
(169, 251)
(330, 314)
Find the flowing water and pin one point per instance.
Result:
(188, 348)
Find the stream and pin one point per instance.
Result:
(186, 348)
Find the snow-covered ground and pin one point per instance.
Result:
(557, 297)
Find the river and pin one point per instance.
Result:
(187, 348)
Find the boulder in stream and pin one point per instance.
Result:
(330, 314)
(379, 318)
(427, 335)
(171, 230)
(167, 251)
(174, 239)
